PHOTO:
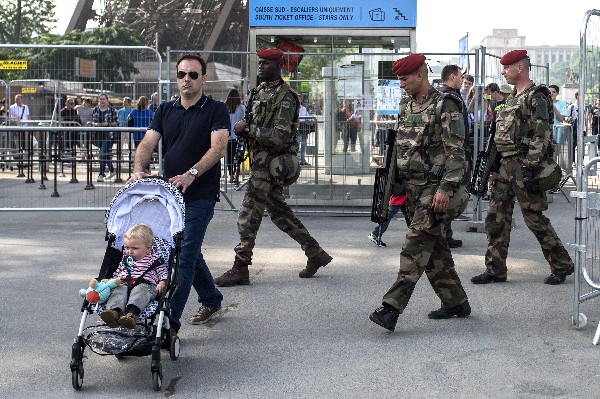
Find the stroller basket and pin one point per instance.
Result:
(103, 340)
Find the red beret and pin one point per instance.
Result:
(408, 64)
(269, 53)
(513, 56)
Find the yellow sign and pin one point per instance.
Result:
(28, 90)
(13, 64)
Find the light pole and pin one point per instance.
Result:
(598, 79)
(592, 83)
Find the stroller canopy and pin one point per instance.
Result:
(152, 201)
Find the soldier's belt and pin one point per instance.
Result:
(434, 174)
(413, 175)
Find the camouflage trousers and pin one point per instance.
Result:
(261, 194)
(507, 184)
(425, 250)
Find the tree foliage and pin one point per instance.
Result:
(58, 63)
(311, 66)
(23, 20)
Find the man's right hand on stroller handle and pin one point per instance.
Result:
(136, 176)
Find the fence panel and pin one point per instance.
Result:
(587, 194)
(341, 154)
(37, 153)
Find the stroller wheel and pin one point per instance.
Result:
(76, 379)
(174, 348)
(119, 356)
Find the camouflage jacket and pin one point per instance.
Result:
(430, 141)
(524, 125)
(274, 124)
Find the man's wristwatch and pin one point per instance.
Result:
(194, 172)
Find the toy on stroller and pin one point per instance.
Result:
(158, 204)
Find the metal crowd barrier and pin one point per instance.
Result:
(32, 150)
(587, 245)
(309, 125)
(564, 154)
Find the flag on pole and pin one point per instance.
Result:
(463, 47)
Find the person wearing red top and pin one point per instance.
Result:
(397, 204)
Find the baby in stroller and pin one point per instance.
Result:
(144, 234)
(145, 274)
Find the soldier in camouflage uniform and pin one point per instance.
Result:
(523, 138)
(273, 150)
(430, 159)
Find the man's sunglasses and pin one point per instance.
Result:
(193, 75)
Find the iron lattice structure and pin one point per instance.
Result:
(209, 25)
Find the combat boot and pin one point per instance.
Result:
(386, 316)
(313, 264)
(486, 278)
(237, 275)
(462, 310)
(558, 278)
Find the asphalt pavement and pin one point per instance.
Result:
(286, 337)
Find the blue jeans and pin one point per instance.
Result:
(105, 148)
(392, 212)
(303, 142)
(193, 270)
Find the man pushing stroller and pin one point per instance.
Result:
(145, 273)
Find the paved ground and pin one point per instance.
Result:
(285, 337)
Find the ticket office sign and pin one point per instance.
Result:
(333, 13)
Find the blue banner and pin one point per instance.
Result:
(333, 13)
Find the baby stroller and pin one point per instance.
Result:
(158, 204)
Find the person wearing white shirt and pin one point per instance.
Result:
(237, 110)
(572, 118)
(303, 130)
(560, 107)
(18, 114)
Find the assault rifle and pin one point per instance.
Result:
(384, 180)
(488, 161)
(241, 151)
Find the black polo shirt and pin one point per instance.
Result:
(186, 138)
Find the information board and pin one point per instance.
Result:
(388, 95)
(333, 13)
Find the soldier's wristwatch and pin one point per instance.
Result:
(194, 172)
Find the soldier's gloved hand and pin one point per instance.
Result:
(528, 180)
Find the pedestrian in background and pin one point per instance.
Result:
(69, 117)
(104, 115)
(559, 106)
(18, 115)
(123, 117)
(155, 102)
(452, 81)
(573, 119)
(304, 128)
(140, 116)
(465, 88)
(2, 111)
(397, 204)
(237, 111)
